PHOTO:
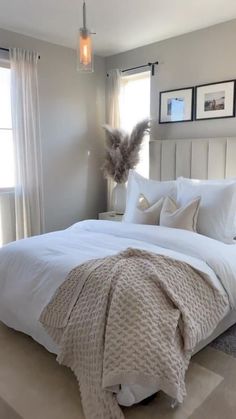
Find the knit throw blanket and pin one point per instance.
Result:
(132, 318)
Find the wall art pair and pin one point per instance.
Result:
(206, 101)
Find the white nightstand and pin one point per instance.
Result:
(110, 215)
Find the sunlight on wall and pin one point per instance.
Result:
(135, 106)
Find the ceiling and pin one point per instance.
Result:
(120, 24)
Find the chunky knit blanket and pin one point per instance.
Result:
(130, 318)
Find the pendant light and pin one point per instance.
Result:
(84, 47)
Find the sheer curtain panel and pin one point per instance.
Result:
(113, 115)
(27, 143)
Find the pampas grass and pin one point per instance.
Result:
(122, 150)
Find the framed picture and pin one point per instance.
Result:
(216, 100)
(176, 105)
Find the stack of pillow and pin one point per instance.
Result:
(203, 206)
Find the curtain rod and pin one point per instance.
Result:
(7, 49)
(152, 65)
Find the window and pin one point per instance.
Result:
(6, 142)
(135, 106)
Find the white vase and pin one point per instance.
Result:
(119, 198)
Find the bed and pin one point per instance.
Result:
(205, 158)
(31, 270)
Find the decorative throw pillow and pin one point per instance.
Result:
(143, 203)
(184, 217)
(217, 213)
(144, 213)
(152, 190)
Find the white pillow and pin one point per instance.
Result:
(184, 218)
(216, 218)
(151, 189)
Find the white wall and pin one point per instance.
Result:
(72, 108)
(198, 57)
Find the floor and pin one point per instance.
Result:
(34, 386)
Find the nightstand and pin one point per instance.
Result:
(110, 216)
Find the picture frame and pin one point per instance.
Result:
(215, 100)
(176, 105)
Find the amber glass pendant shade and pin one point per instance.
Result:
(84, 47)
(85, 52)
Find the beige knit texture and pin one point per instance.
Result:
(130, 318)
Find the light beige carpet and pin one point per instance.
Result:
(34, 386)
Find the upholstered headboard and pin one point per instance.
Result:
(207, 158)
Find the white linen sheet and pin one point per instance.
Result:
(32, 269)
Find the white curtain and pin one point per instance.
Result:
(27, 143)
(113, 115)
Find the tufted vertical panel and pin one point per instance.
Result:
(209, 158)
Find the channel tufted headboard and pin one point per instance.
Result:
(209, 158)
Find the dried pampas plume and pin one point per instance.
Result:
(122, 150)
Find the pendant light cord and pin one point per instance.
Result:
(84, 15)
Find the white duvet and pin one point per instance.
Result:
(32, 269)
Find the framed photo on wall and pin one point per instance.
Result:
(215, 100)
(176, 105)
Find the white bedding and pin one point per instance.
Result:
(32, 269)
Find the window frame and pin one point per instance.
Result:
(5, 63)
(7, 190)
(4, 59)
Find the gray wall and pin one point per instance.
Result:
(72, 108)
(198, 57)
